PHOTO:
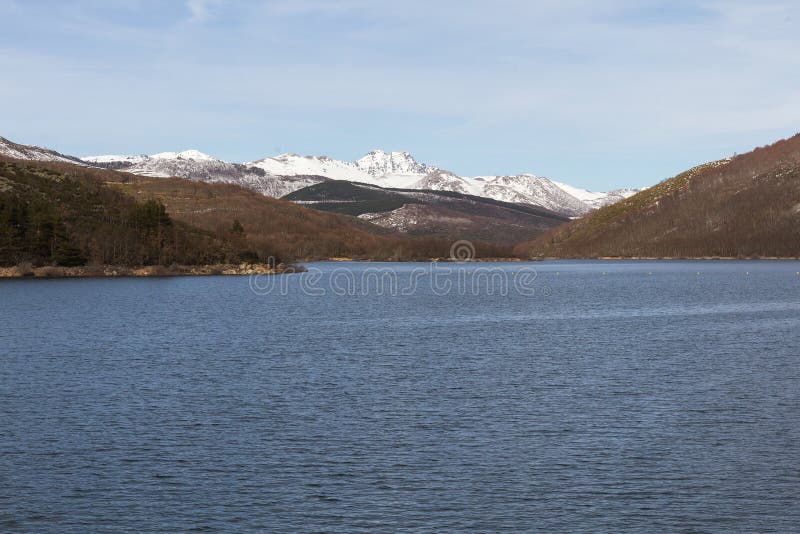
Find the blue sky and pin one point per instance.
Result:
(599, 94)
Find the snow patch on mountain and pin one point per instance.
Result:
(441, 180)
(296, 165)
(33, 153)
(192, 155)
(121, 159)
(597, 200)
(198, 166)
(536, 190)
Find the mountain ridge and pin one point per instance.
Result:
(395, 169)
(14, 150)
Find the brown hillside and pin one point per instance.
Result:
(746, 206)
(272, 226)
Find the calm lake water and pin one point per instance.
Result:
(555, 396)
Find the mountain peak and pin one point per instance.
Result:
(382, 163)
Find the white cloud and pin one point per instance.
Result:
(200, 10)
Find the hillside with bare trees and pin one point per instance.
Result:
(747, 206)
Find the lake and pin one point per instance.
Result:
(554, 396)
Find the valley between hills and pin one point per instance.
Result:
(165, 213)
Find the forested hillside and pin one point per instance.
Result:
(746, 206)
(57, 213)
(48, 218)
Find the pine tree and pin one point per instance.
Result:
(237, 228)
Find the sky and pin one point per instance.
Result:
(598, 94)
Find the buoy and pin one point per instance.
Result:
(649, 274)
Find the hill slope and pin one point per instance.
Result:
(294, 232)
(746, 206)
(445, 214)
(49, 217)
(270, 227)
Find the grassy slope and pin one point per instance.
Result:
(748, 206)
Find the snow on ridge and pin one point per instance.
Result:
(33, 152)
(388, 169)
(297, 165)
(186, 154)
(110, 158)
(579, 193)
(132, 159)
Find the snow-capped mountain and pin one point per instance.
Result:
(296, 165)
(523, 189)
(532, 189)
(440, 180)
(383, 164)
(191, 164)
(33, 153)
(386, 169)
(196, 165)
(280, 175)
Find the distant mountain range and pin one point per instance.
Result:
(747, 206)
(280, 175)
(744, 206)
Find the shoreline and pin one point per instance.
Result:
(26, 271)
